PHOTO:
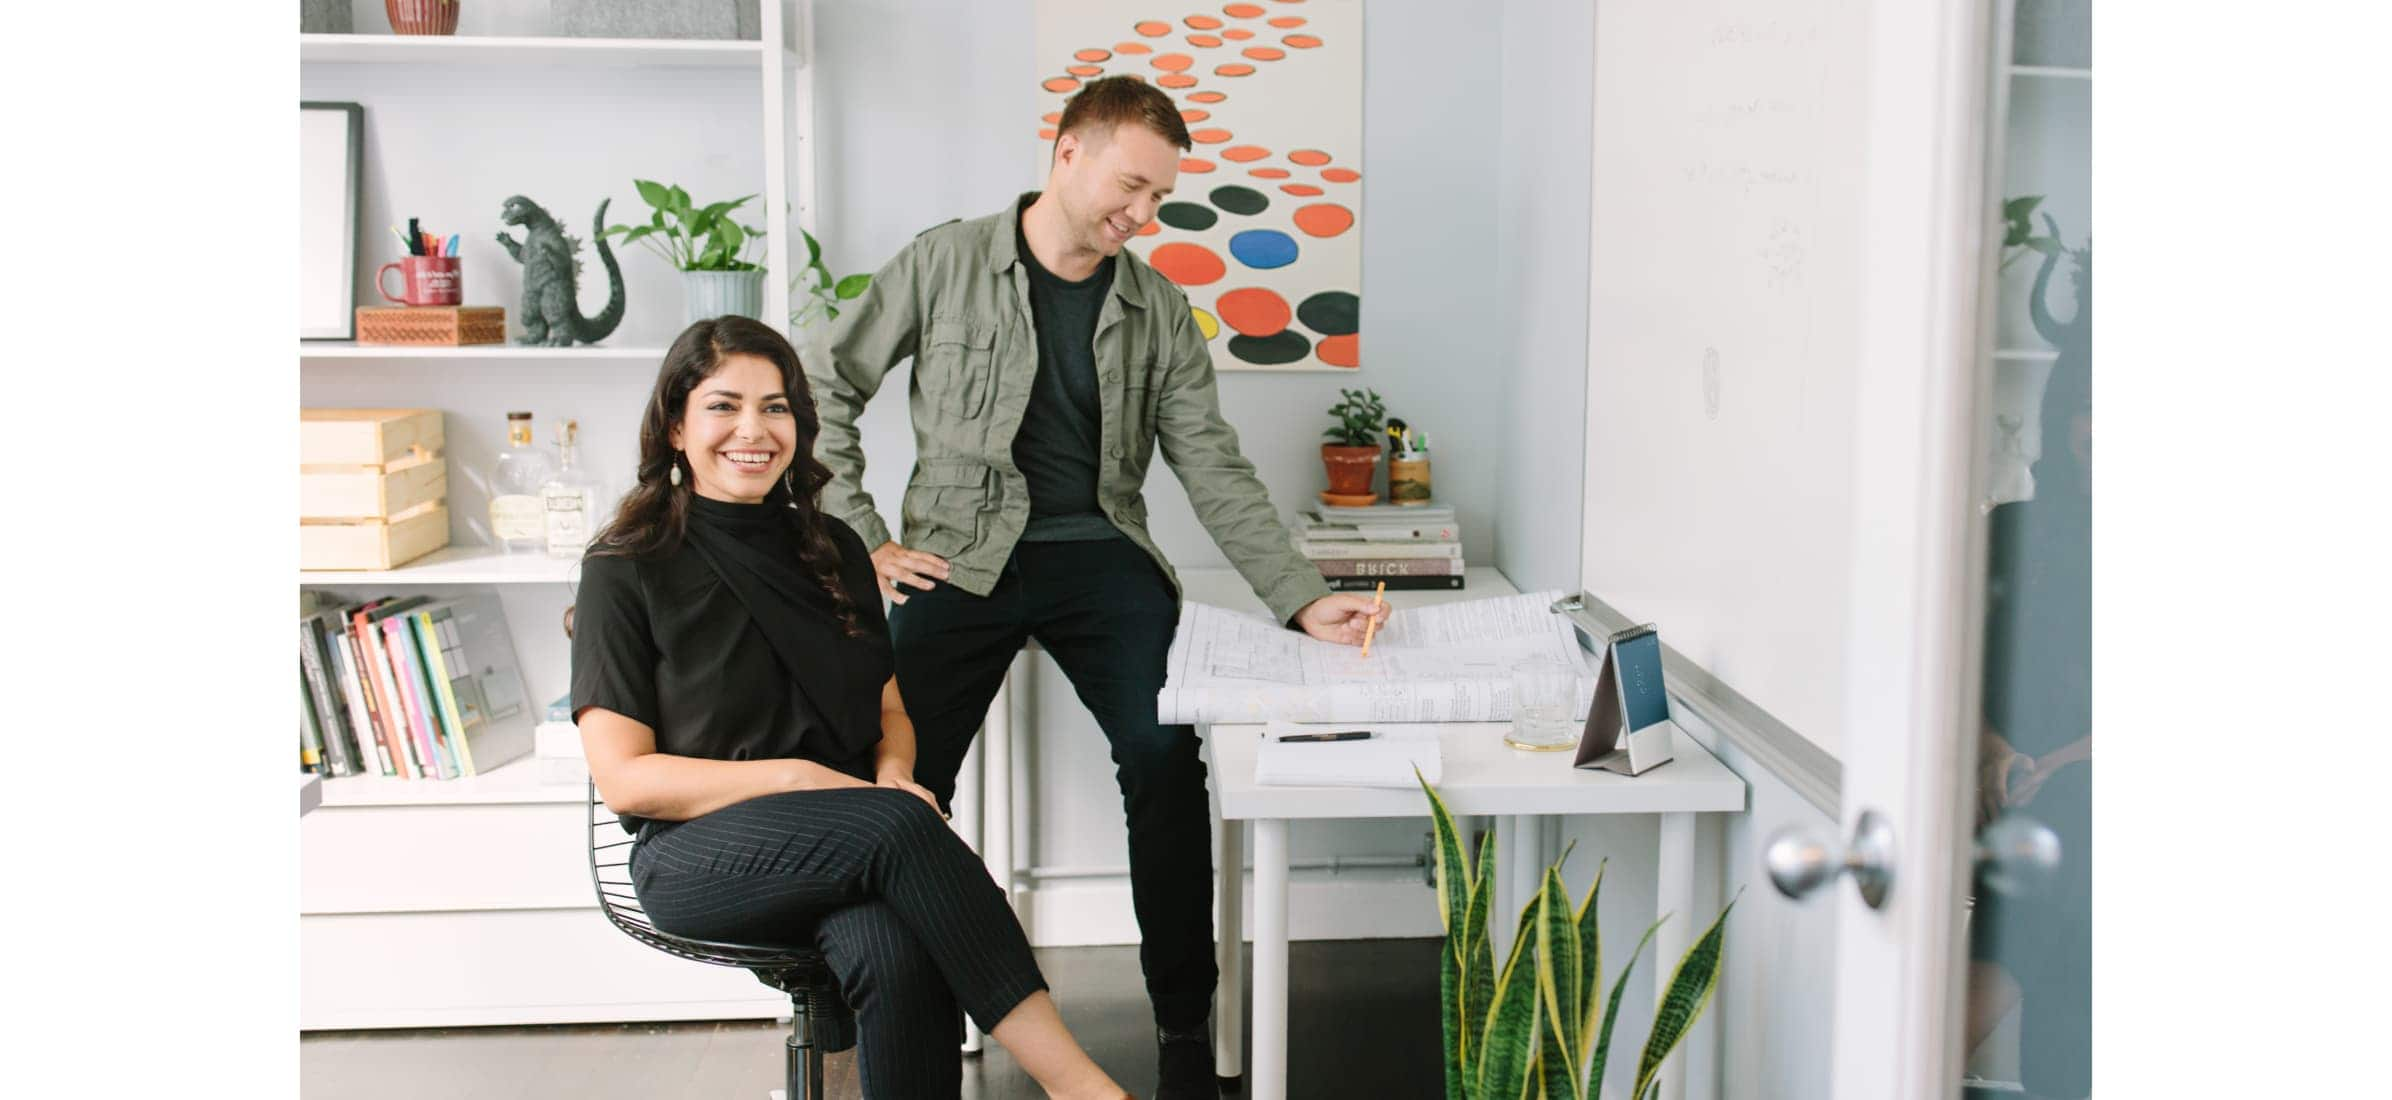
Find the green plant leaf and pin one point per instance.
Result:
(1611, 1012)
(1557, 1075)
(1478, 959)
(1511, 1020)
(1450, 1015)
(1452, 870)
(1557, 966)
(656, 195)
(852, 287)
(1590, 963)
(813, 248)
(680, 200)
(833, 311)
(1689, 990)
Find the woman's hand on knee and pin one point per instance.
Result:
(906, 784)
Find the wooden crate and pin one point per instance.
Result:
(367, 437)
(372, 492)
(431, 326)
(373, 543)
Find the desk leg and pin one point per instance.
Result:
(1673, 896)
(1270, 960)
(1229, 1012)
(1504, 910)
(969, 825)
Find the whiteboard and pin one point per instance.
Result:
(1724, 332)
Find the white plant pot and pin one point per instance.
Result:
(709, 294)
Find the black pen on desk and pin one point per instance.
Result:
(1341, 735)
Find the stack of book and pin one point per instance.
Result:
(1407, 546)
(413, 687)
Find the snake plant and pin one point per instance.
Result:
(1537, 1029)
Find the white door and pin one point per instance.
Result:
(1967, 680)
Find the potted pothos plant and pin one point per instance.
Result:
(1539, 1026)
(713, 252)
(1352, 453)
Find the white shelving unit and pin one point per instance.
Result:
(430, 903)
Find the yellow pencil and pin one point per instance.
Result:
(1377, 599)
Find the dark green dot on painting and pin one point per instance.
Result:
(1240, 200)
(1186, 215)
(1331, 313)
(1284, 346)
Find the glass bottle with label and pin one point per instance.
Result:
(516, 522)
(569, 501)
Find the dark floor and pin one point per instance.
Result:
(1364, 1025)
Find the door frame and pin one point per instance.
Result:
(1912, 677)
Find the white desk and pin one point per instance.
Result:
(1482, 777)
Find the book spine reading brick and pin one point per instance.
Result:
(1389, 567)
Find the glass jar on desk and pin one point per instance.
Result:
(1544, 705)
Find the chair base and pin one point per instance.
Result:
(1231, 1084)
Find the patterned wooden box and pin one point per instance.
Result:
(431, 326)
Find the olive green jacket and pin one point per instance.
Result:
(957, 301)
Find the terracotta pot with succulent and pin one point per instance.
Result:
(421, 16)
(711, 250)
(1352, 453)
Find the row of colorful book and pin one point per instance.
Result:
(1406, 546)
(412, 687)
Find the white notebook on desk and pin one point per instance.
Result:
(1385, 760)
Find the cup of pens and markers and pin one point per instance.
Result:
(429, 274)
(1407, 464)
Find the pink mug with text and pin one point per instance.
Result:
(429, 281)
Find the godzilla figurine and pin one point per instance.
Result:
(551, 272)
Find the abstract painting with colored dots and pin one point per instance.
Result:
(1264, 231)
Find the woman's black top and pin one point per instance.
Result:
(692, 643)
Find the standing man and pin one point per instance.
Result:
(1048, 364)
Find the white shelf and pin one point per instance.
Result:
(2051, 72)
(517, 781)
(458, 565)
(348, 349)
(469, 50)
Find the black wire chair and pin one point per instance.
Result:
(819, 1021)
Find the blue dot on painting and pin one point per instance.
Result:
(1263, 249)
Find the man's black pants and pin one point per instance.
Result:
(1105, 614)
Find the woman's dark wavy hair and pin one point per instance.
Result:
(654, 516)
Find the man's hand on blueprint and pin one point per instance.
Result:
(1340, 617)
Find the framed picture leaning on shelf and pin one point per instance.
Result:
(331, 172)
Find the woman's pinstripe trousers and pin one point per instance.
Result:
(903, 912)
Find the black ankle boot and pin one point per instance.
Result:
(1187, 1066)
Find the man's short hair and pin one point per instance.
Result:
(1100, 105)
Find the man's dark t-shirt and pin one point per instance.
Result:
(1057, 446)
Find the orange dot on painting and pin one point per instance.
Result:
(1324, 219)
(1092, 55)
(1046, 135)
(1176, 80)
(1244, 153)
(1132, 47)
(1207, 41)
(1242, 11)
(1304, 189)
(1288, 22)
(1202, 22)
(1238, 33)
(1233, 70)
(1340, 175)
(1302, 41)
(1153, 28)
(1264, 53)
(1187, 264)
(1060, 84)
(1309, 157)
(1268, 173)
(1195, 165)
(1254, 311)
(1084, 70)
(1172, 62)
(1150, 229)
(1209, 137)
(1340, 351)
(1051, 117)
(1207, 97)
(1193, 114)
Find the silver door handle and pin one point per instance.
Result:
(2017, 855)
(1799, 864)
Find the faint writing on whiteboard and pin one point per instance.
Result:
(1741, 176)
(1782, 254)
